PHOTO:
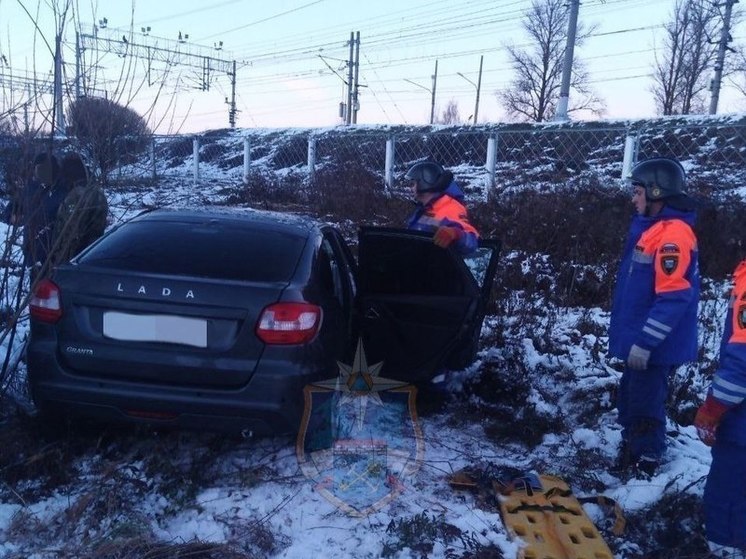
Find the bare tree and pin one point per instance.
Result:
(450, 114)
(681, 68)
(32, 114)
(534, 91)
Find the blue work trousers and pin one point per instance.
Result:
(725, 496)
(641, 402)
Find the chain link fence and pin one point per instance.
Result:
(488, 158)
(494, 158)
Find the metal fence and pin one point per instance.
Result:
(501, 157)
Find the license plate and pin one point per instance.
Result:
(155, 328)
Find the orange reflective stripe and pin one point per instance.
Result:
(739, 305)
(670, 244)
(451, 209)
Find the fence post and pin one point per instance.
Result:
(631, 145)
(246, 159)
(390, 162)
(152, 158)
(491, 162)
(195, 158)
(311, 157)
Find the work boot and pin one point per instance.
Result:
(623, 460)
(645, 467)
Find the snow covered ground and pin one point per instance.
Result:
(539, 399)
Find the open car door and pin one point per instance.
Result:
(420, 307)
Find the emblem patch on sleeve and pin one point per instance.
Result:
(670, 248)
(742, 317)
(669, 263)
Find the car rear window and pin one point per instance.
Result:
(221, 250)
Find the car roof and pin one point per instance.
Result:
(265, 219)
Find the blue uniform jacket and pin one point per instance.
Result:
(729, 382)
(657, 290)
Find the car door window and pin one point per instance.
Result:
(410, 266)
(479, 263)
(337, 255)
(331, 277)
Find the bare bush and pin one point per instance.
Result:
(106, 130)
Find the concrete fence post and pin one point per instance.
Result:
(246, 159)
(195, 158)
(491, 162)
(311, 157)
(631, 145)
(390, 162)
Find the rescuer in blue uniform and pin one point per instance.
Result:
(653, 325)
(721, 423)
(440, 208)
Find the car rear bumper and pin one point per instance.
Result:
(270, 403)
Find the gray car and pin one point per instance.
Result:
(217, 318)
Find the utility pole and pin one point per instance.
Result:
(58, 125)
(572, 26)
(77, 65)
(431, 91)
(478, 85)
(350, 64)
(355, 101)
(725, 38)
(232, 111)
(432, 102)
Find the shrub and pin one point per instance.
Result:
(419, 533)
(265, 190)
(671, 529)
(358, 195)
(107, 131)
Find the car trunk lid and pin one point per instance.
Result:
(126, 325)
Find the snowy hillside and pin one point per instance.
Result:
(540, 398)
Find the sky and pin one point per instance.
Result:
(291, 57)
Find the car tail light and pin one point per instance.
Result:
(45, 304)
(288, 323)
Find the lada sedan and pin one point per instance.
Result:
(217, 318)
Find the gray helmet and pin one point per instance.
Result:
(428, 175)
(662, 178)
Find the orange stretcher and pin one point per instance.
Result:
(546, 516)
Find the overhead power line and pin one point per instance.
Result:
(168, 52)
